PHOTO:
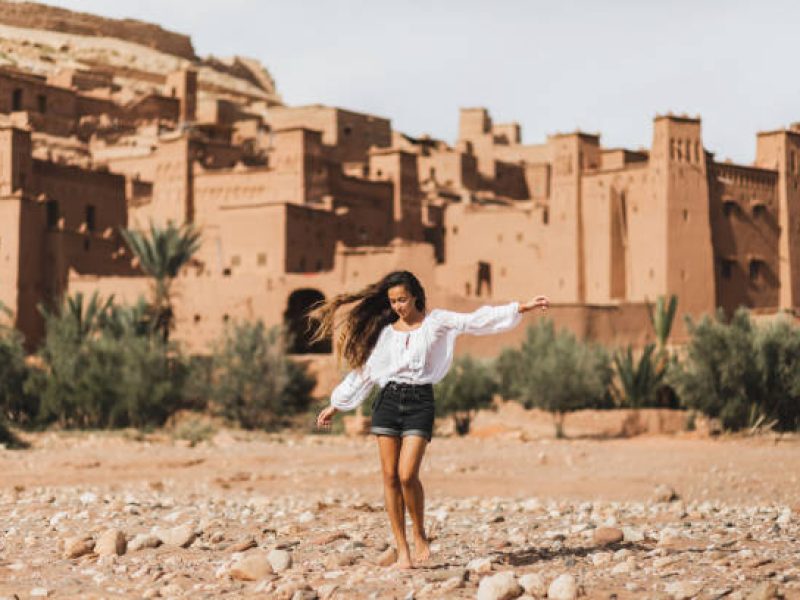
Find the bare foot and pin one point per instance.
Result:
(422, 549)
(403, 561)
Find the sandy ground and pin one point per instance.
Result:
(496, 503)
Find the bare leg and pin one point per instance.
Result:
(389, 448)
(411, 453)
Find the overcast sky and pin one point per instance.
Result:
(602, 66)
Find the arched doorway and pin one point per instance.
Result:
(296, 320)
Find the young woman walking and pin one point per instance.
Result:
(389, 339)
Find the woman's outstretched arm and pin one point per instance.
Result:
(349, 394)
(488, 319)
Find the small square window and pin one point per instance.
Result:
(261, 259)
(726, 268)
(756, 269)
(236, 260)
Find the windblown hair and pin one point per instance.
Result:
(357, 331)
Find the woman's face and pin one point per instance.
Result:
(401, 301)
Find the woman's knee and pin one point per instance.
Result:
(408, 478)
(391, 478)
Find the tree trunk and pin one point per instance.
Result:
(558, 421)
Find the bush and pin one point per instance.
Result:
(556, 372)
(254, 383)
(15, 405)
(778, 351)
(98, 375)
(740, 374)
(467, 387)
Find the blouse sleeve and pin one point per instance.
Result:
(353, 389)
(484, 321)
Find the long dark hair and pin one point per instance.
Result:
(358, 330)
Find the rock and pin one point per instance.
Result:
(604, 536)
(342, 559)
(242, 546)
(563, 587)
(664, 493)
(172, 590)
(683, 590)
(785, 517)
(387, 557)
(327, 591)
(664, 561)
(502, 586)
(251, 567)
(630, 534)
(480, 565)
(763, 591)
(280, 560)
(111, 543)
(143, 540)
(451, 584)
(533, 584)
(329, 538)
(621, 568)
(181, 536)
(151, 593)
(40, 592)
(601, 558)
(78, 546)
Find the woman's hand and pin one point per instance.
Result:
(542, 302)
(325, 416)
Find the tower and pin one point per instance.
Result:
(182, 84)
(674, 251)
(780, 150)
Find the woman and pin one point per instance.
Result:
(389, 339)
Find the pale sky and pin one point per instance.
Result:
(604, 66)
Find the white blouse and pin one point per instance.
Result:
(422, 355)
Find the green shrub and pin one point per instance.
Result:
(556, 372)
(720, 375)
(254, 383)
(467, 387)
(778, 346)
(98, 375)
(15, 405)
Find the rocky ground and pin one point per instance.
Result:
(110, 516)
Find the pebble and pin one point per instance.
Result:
(253, 566)
(763, 591)
(144, 540)
(280, 559)
(480, 565)
(533, 584)
(604, 536)
(181, 536)
(501, 586)
(683, 590)
(111, 542)
(563, 587)
(76, 547)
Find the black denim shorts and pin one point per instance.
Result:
(403, 409)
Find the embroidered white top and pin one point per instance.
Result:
(422, 355)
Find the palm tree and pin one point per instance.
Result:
(662, 318)
(162, 254)
(86, 317)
